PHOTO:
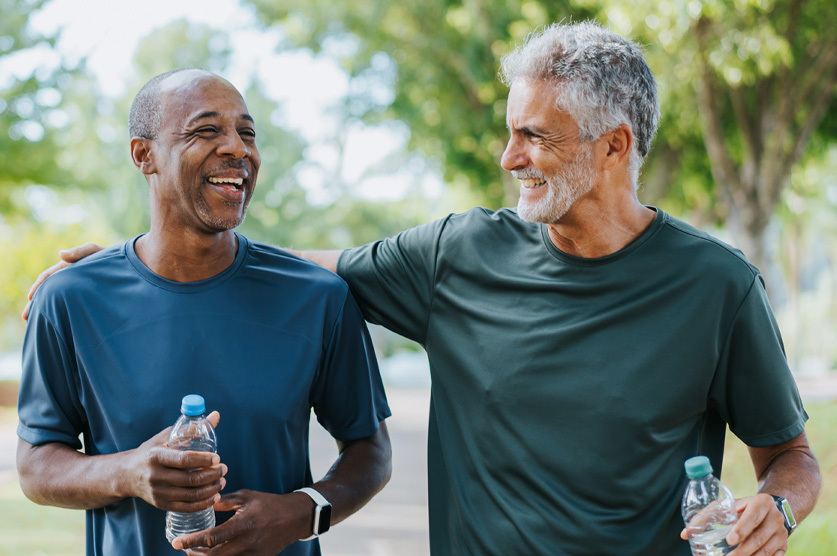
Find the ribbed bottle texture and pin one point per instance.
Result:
(191, 432)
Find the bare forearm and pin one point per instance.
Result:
(326, 259)
(795, 475)
(359, 473)
(57, 475)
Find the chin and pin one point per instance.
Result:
(546, 211)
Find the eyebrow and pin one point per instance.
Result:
(529, 130)
(213, 114)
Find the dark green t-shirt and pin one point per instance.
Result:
(568, 392)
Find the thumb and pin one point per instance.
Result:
(214, 418)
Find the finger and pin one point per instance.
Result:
(75, 254)
(25, 314)
(750, 516)
(762, 541)
(230, 502)
(208, 538)
(206, 478)
(44, 275)
(214, 418)
(184, 459)
(684, 534)
(188, 507)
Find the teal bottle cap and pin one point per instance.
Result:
(698, 466)
(192, 405)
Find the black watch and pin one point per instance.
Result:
(322, 512)
(784, 507)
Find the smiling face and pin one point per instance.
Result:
(204, 161)
(554, 167)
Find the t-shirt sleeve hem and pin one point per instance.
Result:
(37, 437)
(775, 438)
(361, 431)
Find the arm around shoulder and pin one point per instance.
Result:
(326, 259)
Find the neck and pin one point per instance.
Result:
(189, 257)
(592, 230)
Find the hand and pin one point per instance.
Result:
(68, 257)
(760, 528)
(174, 480)
(263, 525)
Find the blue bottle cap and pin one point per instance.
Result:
(192, 405)
(698, 466)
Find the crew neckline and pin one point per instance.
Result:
(659, 219)
(187, 287)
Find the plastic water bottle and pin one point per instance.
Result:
(191, 432)
(708, 509)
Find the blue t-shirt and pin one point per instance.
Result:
(111, 348)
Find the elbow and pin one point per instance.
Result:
(27, 472)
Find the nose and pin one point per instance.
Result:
(232, 145)
(514, 156)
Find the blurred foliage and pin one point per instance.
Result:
(745, 87)
(29, 107)
(424, 71)
(429, 63)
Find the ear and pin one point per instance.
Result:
(141, 155)
(618, 142)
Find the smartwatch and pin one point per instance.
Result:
(784, 507)
(322, 512)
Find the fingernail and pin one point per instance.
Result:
(732, 539)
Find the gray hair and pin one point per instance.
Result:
(146, 113)
(602, 80)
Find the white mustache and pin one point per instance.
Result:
(528, 174)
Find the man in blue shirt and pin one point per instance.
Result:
(584, 345)
(191, 306)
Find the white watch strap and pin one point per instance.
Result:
(315, 496)
(319, 500)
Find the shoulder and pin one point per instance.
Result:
(481, 222)
(83, 274)
(281, 265)
(707, 254)
(76, 286)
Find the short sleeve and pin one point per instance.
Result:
(754, 390)
(348, 394)
(48, 405)
(393, 279)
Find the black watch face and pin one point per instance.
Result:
(325, 519)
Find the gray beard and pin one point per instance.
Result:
(564, 189)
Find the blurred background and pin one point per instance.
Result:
(374, 116)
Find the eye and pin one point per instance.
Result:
(206, 129)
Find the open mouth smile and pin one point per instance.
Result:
(532, 183)
(231, 189)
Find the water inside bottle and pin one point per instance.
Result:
(711, 543)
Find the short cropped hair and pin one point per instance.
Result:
(602, 80)
(146, 113)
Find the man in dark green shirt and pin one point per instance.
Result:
(583, 346)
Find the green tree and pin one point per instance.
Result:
(29, 108)
(755, 79)
(429, 63)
